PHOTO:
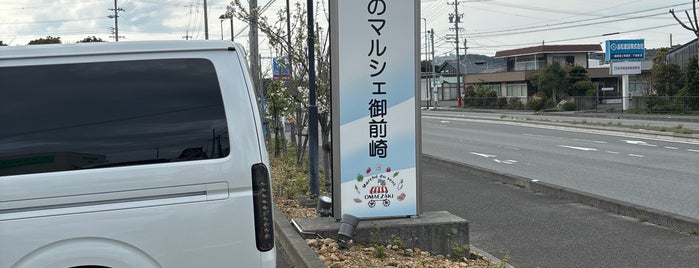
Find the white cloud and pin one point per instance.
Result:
(72, 20)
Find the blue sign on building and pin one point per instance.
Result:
(624, 50)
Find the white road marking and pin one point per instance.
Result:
(671, 148)
(692, 150)
(560, 138)
(510, 148)
(643, 143)
(612, 152)
(484, 155)
(509, 162)
(636, 155)
(444, 121)
(577, 148)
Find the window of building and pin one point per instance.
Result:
(89, 115)
(517, 90)
(493, 87)
(525, 63)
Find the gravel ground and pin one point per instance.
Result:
(375, 255)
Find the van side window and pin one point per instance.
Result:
(104, 114)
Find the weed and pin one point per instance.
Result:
(662, 129)
(693, 232)
(380, 251)
(458, 252)
(682, 130)
(503, 116)
(642, 218)
(502, 263)
(397, 241)
(373, 235)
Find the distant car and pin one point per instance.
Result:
(132, 154)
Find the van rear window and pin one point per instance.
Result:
(92, 115)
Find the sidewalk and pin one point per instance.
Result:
(589, 114)
(537, 230)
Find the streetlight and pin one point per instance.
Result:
(227, 16)
(221, 27)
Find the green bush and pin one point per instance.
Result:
(515, 104)
(501, 103)
(569, 106)
(536, 104)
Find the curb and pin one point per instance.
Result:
(299, 254)
(673, 221)
(612, 131)
(289, 241)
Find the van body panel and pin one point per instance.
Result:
(175, 213)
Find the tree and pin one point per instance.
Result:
(692, 86)
(551, 81)
(584, 88)
(2, 44)
(47, 40)
(278, 106)
(292, 43)
(668, 79)
(690, 92)
(91, 39)
(693, 24)
(579, 81)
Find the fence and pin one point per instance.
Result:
(648, 104)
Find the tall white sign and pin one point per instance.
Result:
(375, 61)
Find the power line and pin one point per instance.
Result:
(531, 29)
(116, 10)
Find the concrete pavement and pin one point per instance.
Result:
(539, 230)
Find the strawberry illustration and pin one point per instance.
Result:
(368, 170)
(388, 169)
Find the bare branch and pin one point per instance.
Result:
(691, 23)
(672, 11)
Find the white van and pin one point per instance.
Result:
(132, 154)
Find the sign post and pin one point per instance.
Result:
(625, 56)
(375, 110)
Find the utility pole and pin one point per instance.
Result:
(427, 60)
(206, 22)
(312, 108)
(465, 60)
(434, 72)
(116, 19)
(456, 19)
(254, 50)
(288, 38)
(186, 35)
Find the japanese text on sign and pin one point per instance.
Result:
(378, 106)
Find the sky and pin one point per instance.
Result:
(488, 25)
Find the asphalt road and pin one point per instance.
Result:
(537, 230)
(669, 121)
(656, 174)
